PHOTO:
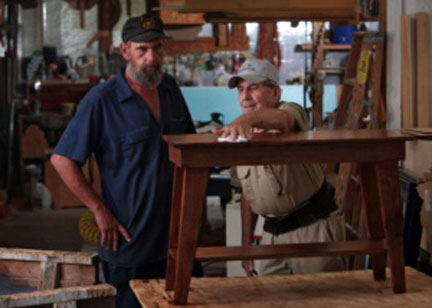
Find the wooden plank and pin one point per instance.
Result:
(71, 304)
(49, 275)
(2, 11)
(193, 197)
(85, 258)
(27, 273)
(330, 47)
(408, 76)
(201, 150)
(422, 39)
(273, 5)
(319, 137)
(350, 74)
(360, 89)
(377, 112)
(222, 34)
(294, 154)
(203, 44)
(82, 13)
(57, 295)
(174, 225)
(275, 16)
(41, 22)
(372, 211)
(170, 14)
(337, 289)
(346, 248)
(391, 208)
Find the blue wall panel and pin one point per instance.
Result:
(204, 100)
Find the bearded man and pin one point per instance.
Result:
(122, 121)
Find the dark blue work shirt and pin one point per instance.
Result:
(115, 124)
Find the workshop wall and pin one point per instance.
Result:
(394, 96)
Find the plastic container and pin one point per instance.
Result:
(343, 34)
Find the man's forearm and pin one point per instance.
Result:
(248, 222)
(271, 118)
(74, 179)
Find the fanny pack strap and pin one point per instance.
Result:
(319, 206)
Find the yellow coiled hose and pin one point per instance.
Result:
(88, 228)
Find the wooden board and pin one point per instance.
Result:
(47, 268)
(339, 289)
(86, 258)
(272, 10)
(408, 76)
(423, 103)
(62, 295)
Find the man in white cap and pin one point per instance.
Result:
(294, 199)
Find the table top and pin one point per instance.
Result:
(309, 137)
(203, 150)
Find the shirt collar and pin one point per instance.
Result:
(125, 91)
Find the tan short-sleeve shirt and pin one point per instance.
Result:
(278, 189)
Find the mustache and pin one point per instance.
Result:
(248, 102)
(152, 66)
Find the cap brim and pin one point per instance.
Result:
(234, 80)
(149, 36)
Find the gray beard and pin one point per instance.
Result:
(147, 79)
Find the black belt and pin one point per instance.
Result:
(319, 206)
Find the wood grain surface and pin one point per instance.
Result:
(338, 289)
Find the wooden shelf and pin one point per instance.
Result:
(272, 10)
(330, 47)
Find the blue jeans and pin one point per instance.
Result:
(119, 277)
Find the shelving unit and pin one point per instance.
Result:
(327, 47)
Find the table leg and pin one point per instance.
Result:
(174, 225)
(373, 215)
(389, 193)
(193, 194)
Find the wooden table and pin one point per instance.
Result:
(376, 151)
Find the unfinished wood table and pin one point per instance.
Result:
(376, 151)
(336, 289)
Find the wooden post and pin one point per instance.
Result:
(82, 13)
(408, 76)
(41, 23)
(423, 102)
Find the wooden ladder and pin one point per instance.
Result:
(361, 98)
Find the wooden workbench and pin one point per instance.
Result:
(377, 153)
(339, 289)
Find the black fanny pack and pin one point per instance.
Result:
(319, 206)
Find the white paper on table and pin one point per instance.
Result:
(228, 139)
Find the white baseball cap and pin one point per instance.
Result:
(255, 71)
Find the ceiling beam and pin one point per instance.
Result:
(268, 5)
(272, 10)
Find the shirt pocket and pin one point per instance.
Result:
(244, 176)
(136, 144)
(275, 197)
(178, 126)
